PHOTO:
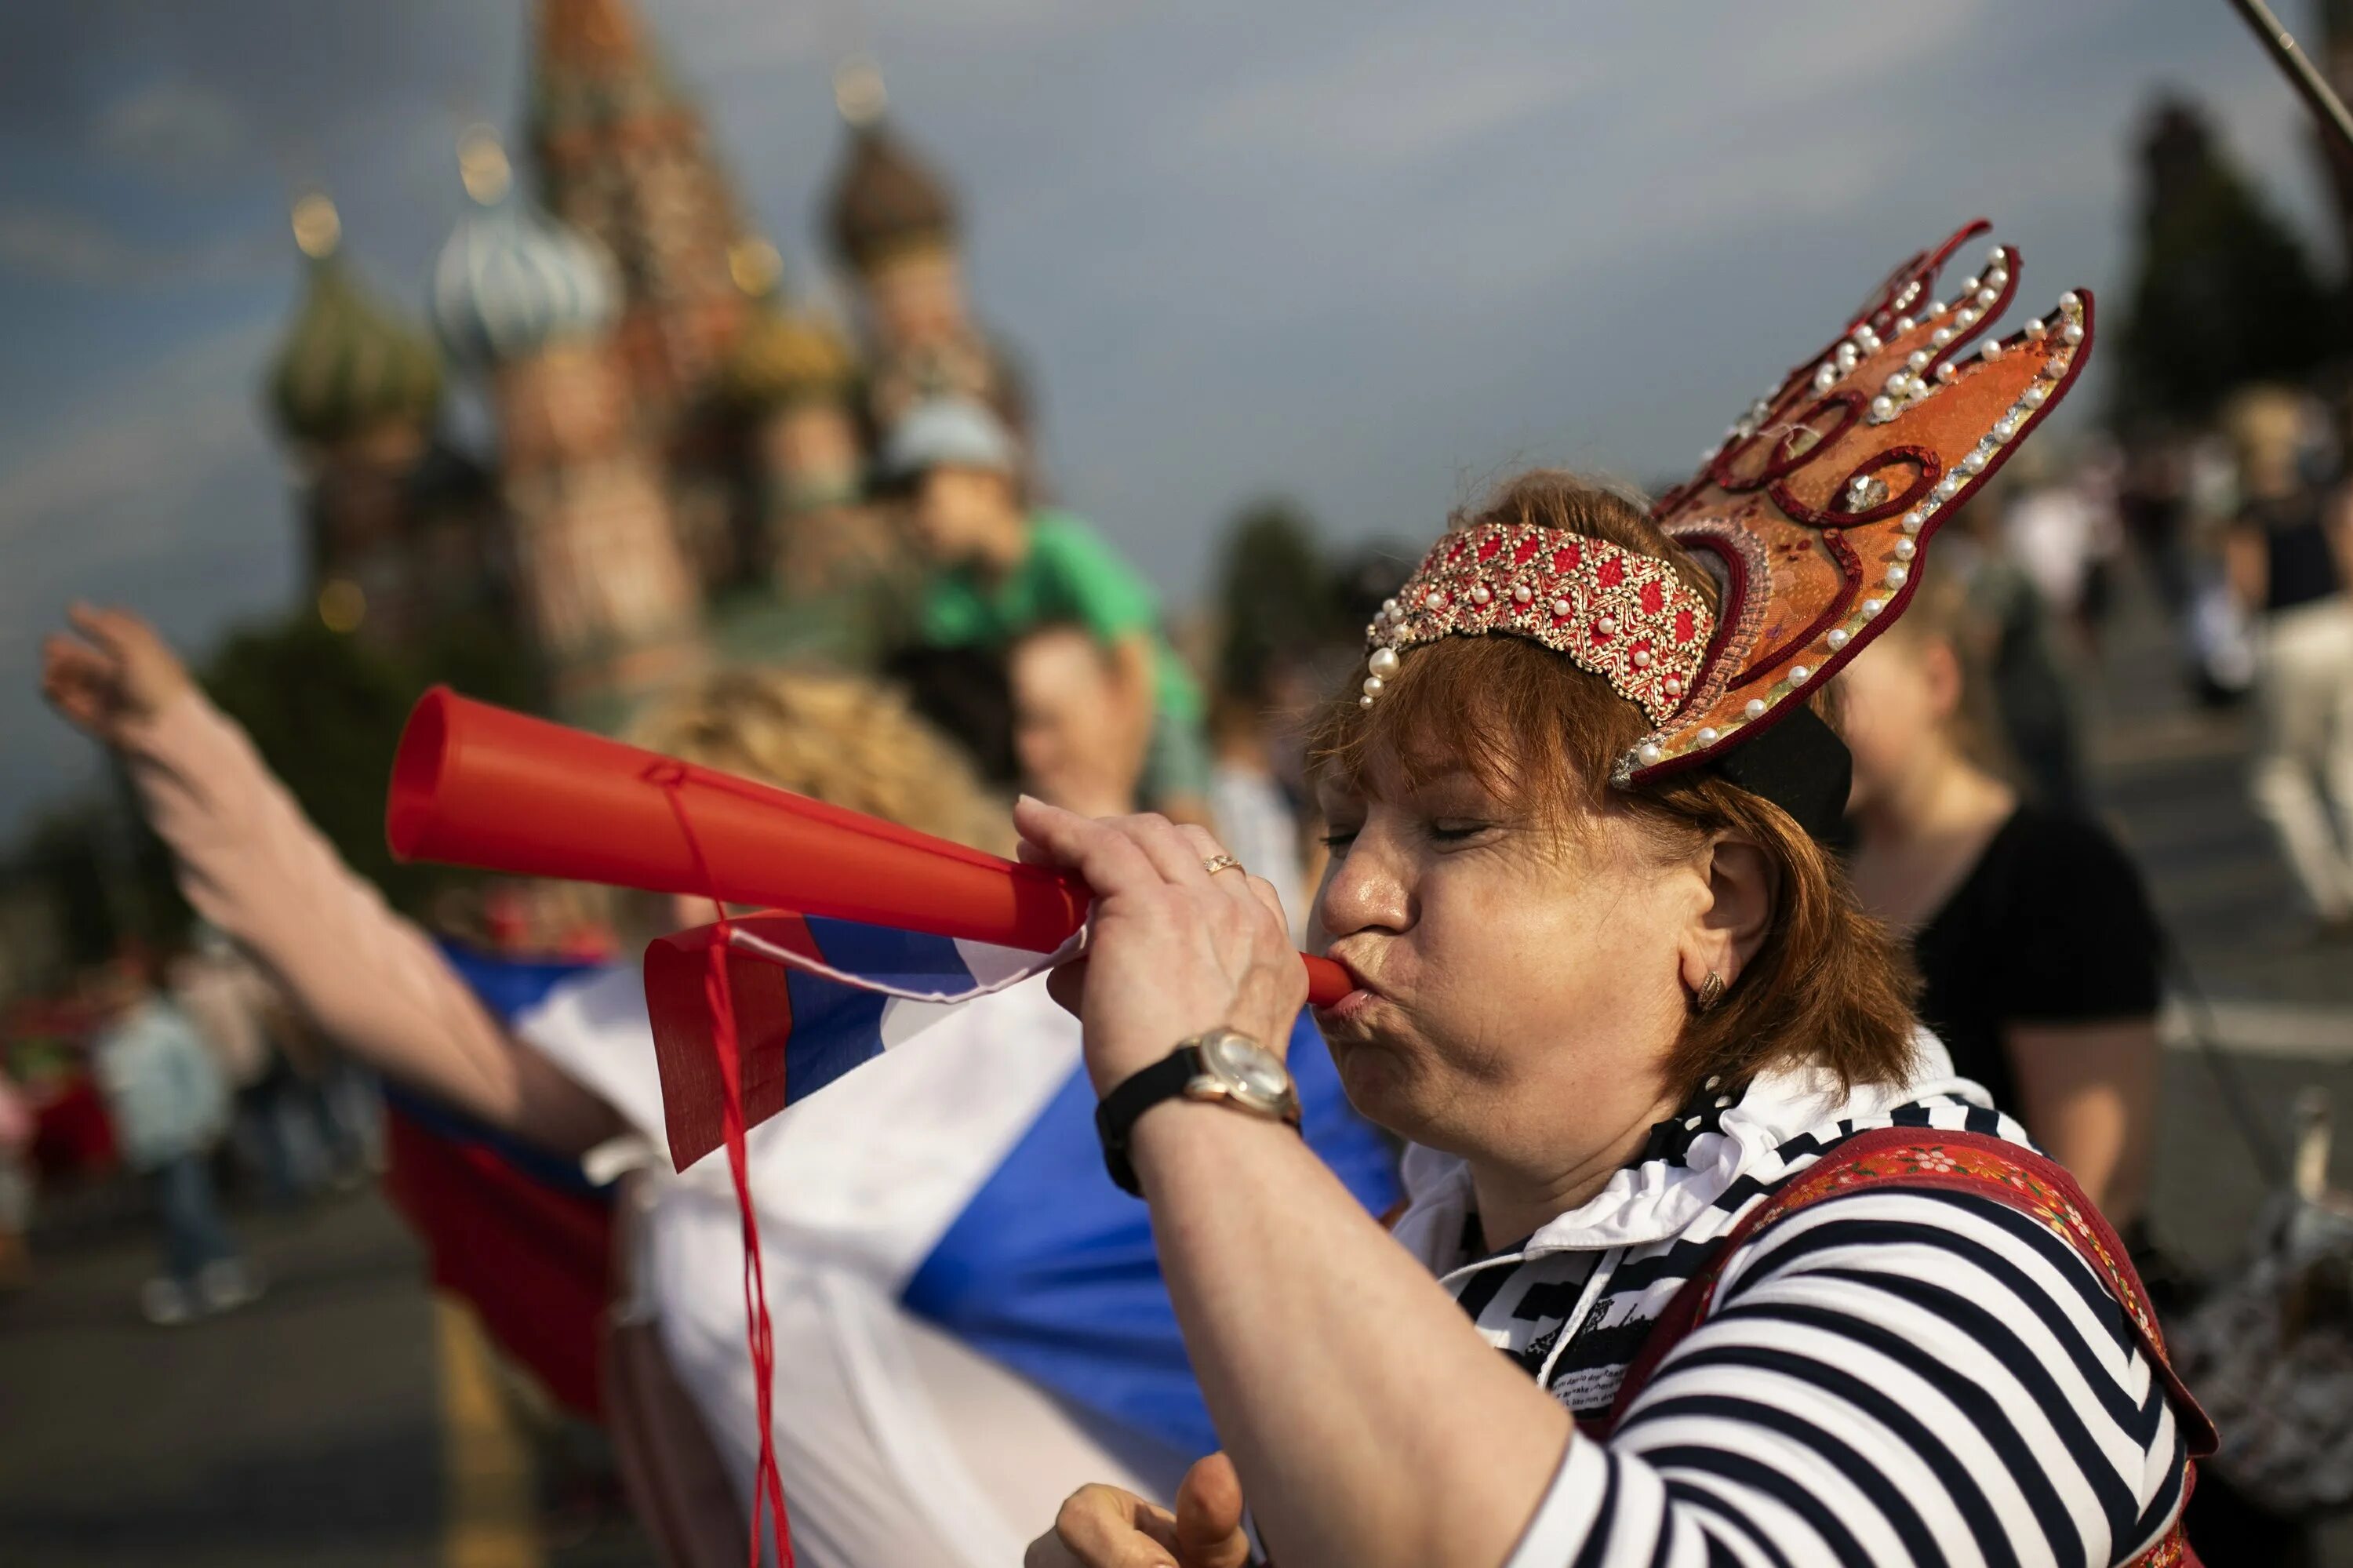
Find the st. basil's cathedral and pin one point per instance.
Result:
(681, 450)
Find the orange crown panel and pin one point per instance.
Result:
(1821, 500)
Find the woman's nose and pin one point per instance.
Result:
(1362, 891)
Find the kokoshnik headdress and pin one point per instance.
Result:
(1815, 512)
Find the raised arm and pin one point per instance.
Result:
(251, 864)
(1908, 1343)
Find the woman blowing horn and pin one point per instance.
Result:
(1769, 1283)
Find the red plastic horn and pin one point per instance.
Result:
(482, 786)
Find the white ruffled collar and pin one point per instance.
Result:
(1659, 1196)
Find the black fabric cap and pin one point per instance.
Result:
(1801, 766)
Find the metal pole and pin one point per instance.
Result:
(2280, 45)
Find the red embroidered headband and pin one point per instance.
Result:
(1624, 616)
(1816, 511)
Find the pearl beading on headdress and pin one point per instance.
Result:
(1823, 495)
(2065, 331)
(1623, 616)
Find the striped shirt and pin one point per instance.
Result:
(1885, 1377)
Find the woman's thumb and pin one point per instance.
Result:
(1210, 1516)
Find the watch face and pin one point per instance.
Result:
(1255, 1074)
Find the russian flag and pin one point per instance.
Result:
(968, 1170)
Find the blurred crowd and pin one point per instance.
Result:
(979, 639)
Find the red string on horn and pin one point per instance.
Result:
(767, 1481)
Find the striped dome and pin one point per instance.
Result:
(786, 356)
(511, 281)
(350, 363)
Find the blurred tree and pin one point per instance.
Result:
(2223, 292)
(107, 881)
(2335, 58)
(325, 712)
(1276, 596)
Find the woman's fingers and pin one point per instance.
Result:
(1210, 1516)
(1270, 897)
(1109, 861)
(77, 680)
(1181, 854)
(1238, 882)
(111, 629)
(69, 656)
(1104, 1527)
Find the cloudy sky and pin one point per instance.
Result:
(1364, 254)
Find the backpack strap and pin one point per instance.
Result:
(1924, 1159)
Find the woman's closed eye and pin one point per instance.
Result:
(1443, 831)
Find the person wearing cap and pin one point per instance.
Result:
(1002, 567)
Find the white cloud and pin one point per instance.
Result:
(97, 482)
(60, 245)
(1416, 89)
(173, 125)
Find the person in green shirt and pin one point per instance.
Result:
(1000, 567)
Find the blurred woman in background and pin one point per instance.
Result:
(2289, 554)
(2037, 948)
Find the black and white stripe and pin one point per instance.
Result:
(1887, 1377)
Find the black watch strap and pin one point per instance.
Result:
(1139, 1092)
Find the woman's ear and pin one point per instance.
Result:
(1743, 887)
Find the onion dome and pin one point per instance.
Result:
(350, 363)
(510, 281)
(786, 356)
(885, 200)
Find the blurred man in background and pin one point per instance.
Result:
(1001, 567)
(170, 1105)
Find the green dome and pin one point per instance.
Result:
(785, 357)
(350, 363)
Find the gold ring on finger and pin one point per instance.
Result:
(1217, 862)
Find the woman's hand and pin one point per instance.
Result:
(1104, 1527)
(118, 673)
(1174, 949)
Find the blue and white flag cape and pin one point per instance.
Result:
(948, 1145)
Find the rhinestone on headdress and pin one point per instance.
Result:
(1624, 616)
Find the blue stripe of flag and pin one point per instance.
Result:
(838, 1027)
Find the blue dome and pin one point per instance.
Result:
(511, 281)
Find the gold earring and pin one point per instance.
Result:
(1711, 992)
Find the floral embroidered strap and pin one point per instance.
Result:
(1921, 1158)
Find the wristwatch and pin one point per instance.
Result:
(1223, 1065)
